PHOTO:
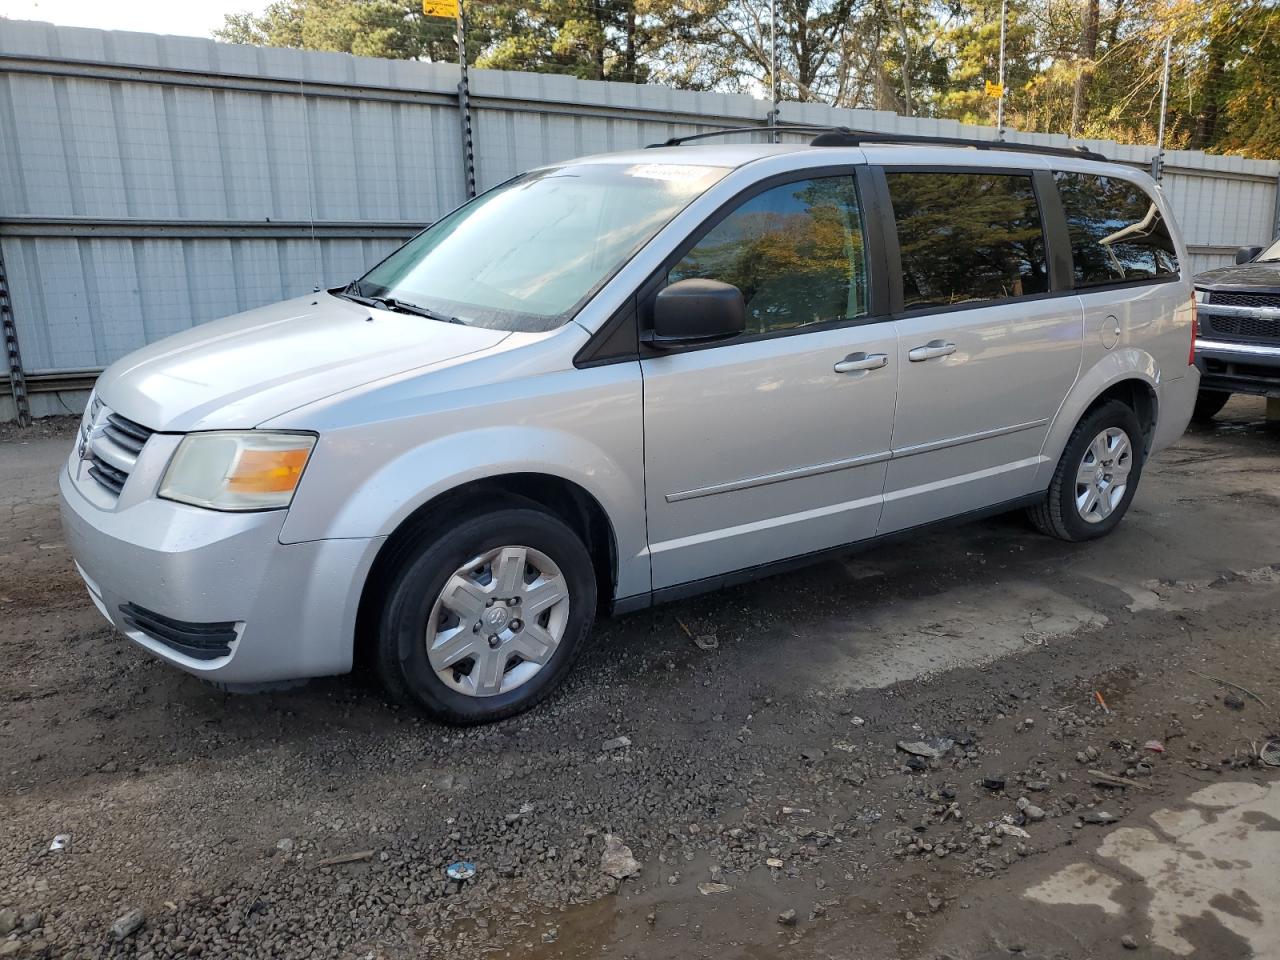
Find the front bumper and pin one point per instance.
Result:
(1239, 367)
(291, 607)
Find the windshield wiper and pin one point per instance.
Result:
(352, 292)
(403, 306)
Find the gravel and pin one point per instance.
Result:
(616, 861)
(213, 814)
(128, 923)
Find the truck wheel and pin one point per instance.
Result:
(1208, 403)
(1096, 478)
(485, 618)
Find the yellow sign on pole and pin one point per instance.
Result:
(993, 89)
(440, 8)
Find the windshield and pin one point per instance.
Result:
(1271, 253)
(527, 255)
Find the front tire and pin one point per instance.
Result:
(484, 618)
(1208, 405)
(1096, 478)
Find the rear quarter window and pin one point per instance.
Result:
(1117, 232)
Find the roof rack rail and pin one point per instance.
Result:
(844, 137)
(762, 128)
(833, 136)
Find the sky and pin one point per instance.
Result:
(192, 18)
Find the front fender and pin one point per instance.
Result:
(418, 475)
(1127, 363)
(365, 480)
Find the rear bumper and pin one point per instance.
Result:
(217, 594)
(1175, 401)
(1239, 367)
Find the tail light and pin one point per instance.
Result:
(1195, 332)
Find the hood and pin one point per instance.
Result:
(1254, 277)
(242, 370)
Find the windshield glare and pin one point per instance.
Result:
(527, 255)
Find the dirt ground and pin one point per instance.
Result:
(761, 791)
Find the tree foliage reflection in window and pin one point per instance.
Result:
(795, 251)
(1116, 230)
(967, 237)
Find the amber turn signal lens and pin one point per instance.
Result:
(267, 471)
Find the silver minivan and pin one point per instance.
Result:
(624, 379)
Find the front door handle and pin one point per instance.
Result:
(862, 361)
(934, 348)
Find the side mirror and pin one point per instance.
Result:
(697, 311)
(1246, 254)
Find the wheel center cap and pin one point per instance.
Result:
(496, 617)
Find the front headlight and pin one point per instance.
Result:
(226, 470)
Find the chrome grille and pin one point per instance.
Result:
(109, 477)
(1238, 327)
(127, 434)
(110, 444)
(1233, 299)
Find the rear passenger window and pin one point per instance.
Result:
(794, 251)
(1116, 230)
(967, 237)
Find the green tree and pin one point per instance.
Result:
(1230, 99)
(590, 39)
(850, 53)
(1224, 72)
(619, 40)
(394, 29)
(1090, 68)
(972, 58)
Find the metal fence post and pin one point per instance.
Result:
(1275, 220)
(464, 106)
(1000, 103)
(17, 379)
(1157, 162)
(773, 70)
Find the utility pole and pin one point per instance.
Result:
(1004, 7)
(773, 70)
(1157, 162)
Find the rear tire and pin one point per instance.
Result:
(484, 618)
(1096, 478)
(1208, 404)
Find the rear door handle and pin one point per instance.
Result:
(934, 348)
(862, 361)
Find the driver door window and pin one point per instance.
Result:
(795, 251)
